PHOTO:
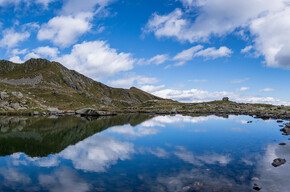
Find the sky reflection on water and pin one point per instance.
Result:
(163, 153)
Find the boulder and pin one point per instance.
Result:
(279, 161)
(53, 110)
(3, 95)
(93, 112)
(19, 95)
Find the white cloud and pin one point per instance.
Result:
(198, 51)
(47, 51)
(267, 90)
(197, 95)
(214, 53)
(158, 59)
(45, 3)
(151, 88)
(63, 31)
(43, 52)
(267, 22)
(272, 37)
(130, 80)
(97, 60)
(243, 89)
(247, 49)
(12, 39)
(187, 55)
(170, 25)
(16, 59)
(73, 7)
(75, 20)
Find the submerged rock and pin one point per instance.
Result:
(282, 143)
(278, 162)
(257, 187)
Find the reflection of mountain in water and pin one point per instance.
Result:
(43, 136)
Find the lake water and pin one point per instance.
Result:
(142, 153)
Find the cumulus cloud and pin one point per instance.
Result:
(267, 22)
(75, 20)
(16, 59)
(96, 59)
(11, 38)
(63, 31)
(43, 52)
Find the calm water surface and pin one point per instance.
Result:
(142, 153)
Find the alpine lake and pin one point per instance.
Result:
(147, 153)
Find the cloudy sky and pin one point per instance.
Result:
(187, 50)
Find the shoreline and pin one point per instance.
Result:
(264, 116)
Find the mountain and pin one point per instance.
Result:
(42, 83)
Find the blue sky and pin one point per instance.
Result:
(187, 50)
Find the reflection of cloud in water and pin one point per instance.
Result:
(162, 120)
(158, 152)
(97, 153)
(128, 130)
(92, 154)
(274, 179)
(13, 176)
(199, 160)
(63, 180)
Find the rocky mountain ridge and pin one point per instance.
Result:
(39, 83)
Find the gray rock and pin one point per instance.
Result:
(15, 106)
(93, 112)
(35, 113)
(19, 95)
(87, 112)
(3, 95)
(54, 110)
